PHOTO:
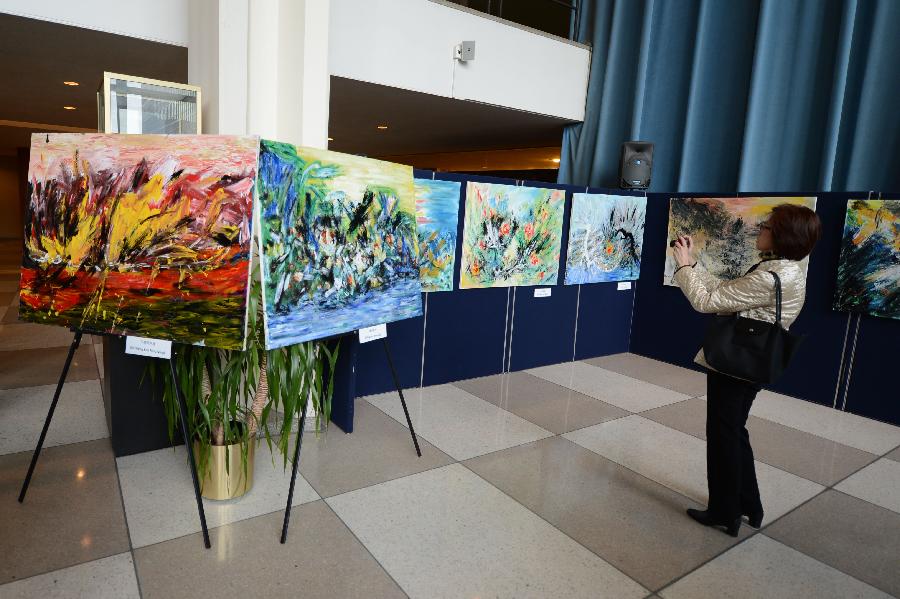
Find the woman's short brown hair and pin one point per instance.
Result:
(795, 230)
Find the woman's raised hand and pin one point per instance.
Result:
(683, 250)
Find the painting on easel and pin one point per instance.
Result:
(145, 235)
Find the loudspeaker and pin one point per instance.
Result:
(635, 165)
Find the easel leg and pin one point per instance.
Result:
(290, 499)
(37, 450)
(412, 431)
(190, 451)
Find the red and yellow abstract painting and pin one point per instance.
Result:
(146, 235)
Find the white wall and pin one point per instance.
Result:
(409, 44)
(157, 20)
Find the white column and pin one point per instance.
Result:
(263, 67)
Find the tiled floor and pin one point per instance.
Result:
(568, 480)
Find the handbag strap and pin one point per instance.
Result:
(777, 297)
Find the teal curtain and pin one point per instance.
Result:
(741, 95)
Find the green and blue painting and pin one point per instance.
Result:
(437, 215)
(338, 243)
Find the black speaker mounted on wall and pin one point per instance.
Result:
(635, 165)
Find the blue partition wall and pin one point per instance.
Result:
(479, 332)
(666, 327)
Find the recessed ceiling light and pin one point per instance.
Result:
(69, 107)
(330, 139)
(71, 83)
(556, 160)
(382, 127)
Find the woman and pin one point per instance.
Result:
(783, 240)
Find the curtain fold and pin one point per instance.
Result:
(744, 95)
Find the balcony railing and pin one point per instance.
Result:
(556, 17)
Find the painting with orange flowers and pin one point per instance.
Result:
(143, 235)
(606, 234)
(511, 236)
(868, 277)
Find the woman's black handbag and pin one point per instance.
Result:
(749, 349)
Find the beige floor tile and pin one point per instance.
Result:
(79, 416)
(613, 388)
(824, 421)
(36, 367)
(448, 533)
(548, 405)
(846, 533)
(320, 559)
(678, 461)
(159, 495)
(458, 423)
(379, 449)
(98, 351)
(762, 567)
(878, 483)
(813, 458)
(638, 526)
(71, 515)
(108, 578)
(684, 380)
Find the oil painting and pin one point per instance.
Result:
(724, 231)
(511, 236)
(338, 243)
(606, 234)
(437, 215)
(146, 235)
(868, 278)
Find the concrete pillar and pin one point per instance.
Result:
(263, 67)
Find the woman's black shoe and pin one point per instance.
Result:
(707, 519)
(755, 520)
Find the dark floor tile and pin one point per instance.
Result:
(631, 522)
(322, 558)
(378, 450)
(809, 456)
(852, 535)
(684, 380)
(72, 513)
(33, 367)
(548, 405)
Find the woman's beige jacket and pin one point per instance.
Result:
(752, 295)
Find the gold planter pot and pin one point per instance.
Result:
(220, 483)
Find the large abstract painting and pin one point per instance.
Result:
(338, 243)
(724, 231)
(437, 210)
(606, 233)
(511, 236)
(140, 234)
(868, 278)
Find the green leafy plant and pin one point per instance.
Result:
(230, 394)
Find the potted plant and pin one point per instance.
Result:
(232, 395)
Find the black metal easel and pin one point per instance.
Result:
(412, 432)
(62, 379)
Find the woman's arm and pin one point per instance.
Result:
(754, 290)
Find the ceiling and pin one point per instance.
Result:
(426, 124)
(37, 56)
